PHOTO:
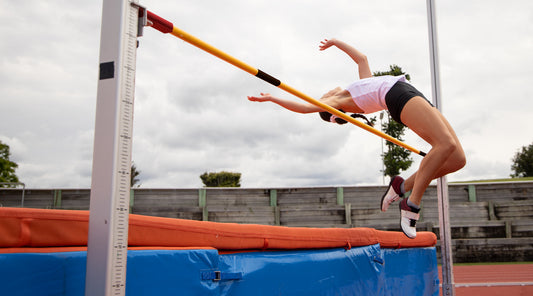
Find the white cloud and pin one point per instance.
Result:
(191, 112)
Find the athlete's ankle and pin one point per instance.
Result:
(412, 204)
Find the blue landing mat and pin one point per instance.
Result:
(367, 270)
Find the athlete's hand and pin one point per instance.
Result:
(263, 98)
(326, 43)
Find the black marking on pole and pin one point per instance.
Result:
(107, 70)
(267, 78)
(422, 153)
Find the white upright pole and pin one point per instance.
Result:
(110, 188)
(448, 288)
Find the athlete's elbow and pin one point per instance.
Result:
(361, 59)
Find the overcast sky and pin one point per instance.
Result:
(191, 112)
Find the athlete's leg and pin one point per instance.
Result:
(446, 154)
(454, 163)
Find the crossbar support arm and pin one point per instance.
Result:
(165, 26)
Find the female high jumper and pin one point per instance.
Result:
(406, 105)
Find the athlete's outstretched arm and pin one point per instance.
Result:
(287, 104)
(359, 58)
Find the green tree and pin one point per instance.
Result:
(394, 70)
(523, 162)
(7, 167)
(134, 174)
(396, 158)
(221, 179)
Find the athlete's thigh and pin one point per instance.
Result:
(459, 154)
(451, 130)
(427, 122)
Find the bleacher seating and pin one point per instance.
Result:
(489, 221)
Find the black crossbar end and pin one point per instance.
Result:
(267, 78)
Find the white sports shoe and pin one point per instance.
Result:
(408, 218)
(392, 194)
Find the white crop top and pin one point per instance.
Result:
(369, 93)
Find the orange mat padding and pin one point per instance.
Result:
(84, 249)
(30, 228)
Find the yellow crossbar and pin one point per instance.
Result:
(167, 27)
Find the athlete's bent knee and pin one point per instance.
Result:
(457, 160)
(461, 162)
(447, 148)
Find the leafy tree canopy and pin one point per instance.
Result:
(221, 179)
(7, 167)
(133, 175)
(523, 162)
(397, 158)
(394, 70)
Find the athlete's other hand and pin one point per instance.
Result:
(263, 98)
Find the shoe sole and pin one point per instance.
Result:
(384, 195)
(382, 199)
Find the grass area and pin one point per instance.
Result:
(497, 180)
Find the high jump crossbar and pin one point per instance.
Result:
(165, 26)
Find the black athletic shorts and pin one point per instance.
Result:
(400, 93)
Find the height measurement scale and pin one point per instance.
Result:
(110, 188)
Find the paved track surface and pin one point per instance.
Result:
(493, 280)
